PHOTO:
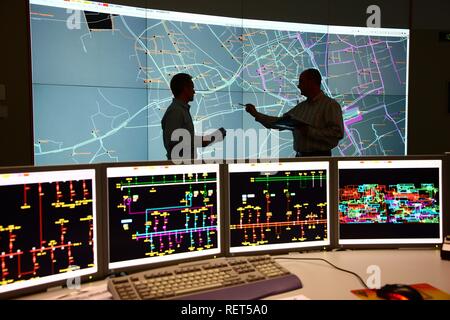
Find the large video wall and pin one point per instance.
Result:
(101, 75)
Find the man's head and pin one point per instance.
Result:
(182, 87)
(309, 82)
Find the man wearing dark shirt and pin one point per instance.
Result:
(319, 119)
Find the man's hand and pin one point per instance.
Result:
(219, 135)
(216, 136)
(251, 109)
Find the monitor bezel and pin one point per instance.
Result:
(313, 247)
(101, 266)
(340, 246)
(153, 265)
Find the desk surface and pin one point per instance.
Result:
(320, 280)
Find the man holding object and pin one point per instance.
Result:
(317, 122)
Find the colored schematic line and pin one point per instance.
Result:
(302, 176)
(161, 232)
(260, 228)
(398, 203)
(15, 260)
(263, 224)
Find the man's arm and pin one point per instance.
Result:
(265, 120)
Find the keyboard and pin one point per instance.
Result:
(236, 278)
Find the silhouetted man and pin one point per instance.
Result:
(179, 136)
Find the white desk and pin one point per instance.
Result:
(323, 282)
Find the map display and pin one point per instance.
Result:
(101, 75)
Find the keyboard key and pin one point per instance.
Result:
(199, 288)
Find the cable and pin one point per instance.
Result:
(320, 259)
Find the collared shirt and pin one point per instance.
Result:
(177, 116)
(325, 124)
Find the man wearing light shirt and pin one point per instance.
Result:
(318, 121)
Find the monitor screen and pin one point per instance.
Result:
(278, 206)
(117, 62)
(162, 213)
(47, 227)
(390, 202)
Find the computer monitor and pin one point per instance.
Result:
(446, 173)
(392, 202)
(278, 206)
(162, 213)
(48, 228)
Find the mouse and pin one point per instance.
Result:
(398, 292)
